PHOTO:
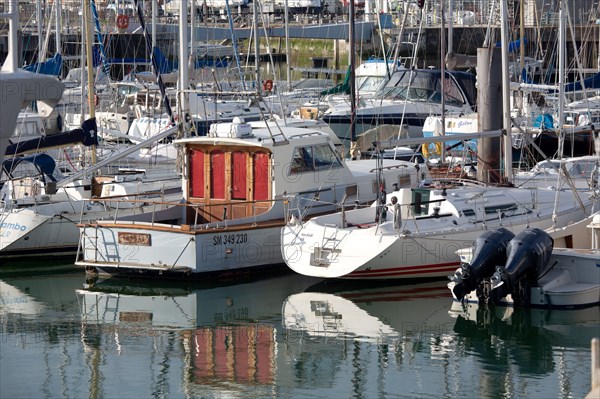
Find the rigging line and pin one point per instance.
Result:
(577, 60)
(272, 63)
(312, 200)
(400, 34)
(42, 56)
(159, 81)
(414, 56)
(488, 32)
(105, 66)
(234, 43)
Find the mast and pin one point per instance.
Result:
(506, 122)
(385, 56)
(561, 75)
(156, 67)
(450, 47)
(288, 68)
(522, 34)
(192, 53)
(400, 34)
(352, 79)
(82, 76)
(256, 44)
(443, 75)
(87, 11)
(183, 65)
(58, 38)
(38, 16)
(154, 15)
(12, 60)
(234, 44)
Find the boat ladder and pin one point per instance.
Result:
(88, 243)
(329, 246)
(110, 308)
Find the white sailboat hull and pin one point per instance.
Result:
(421, 248)
(52, 229)
(24, 231)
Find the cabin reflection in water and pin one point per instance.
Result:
(244, 353)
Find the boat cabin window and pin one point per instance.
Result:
(500, 208)
(316, 157)
(546, 166)
(370, 83)
(123, 90)
(453, 94)
(420, 202)
(377, 185)
(581, 168)
(413, 85)
(466, 83)
(468, 212)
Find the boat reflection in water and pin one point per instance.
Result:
(287, 336)
(35, 296)
(373, 340)
(227, 332)
(378, 314)
(398, 335)
(517, 341)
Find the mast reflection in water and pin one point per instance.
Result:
(287, 336)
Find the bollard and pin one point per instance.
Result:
(595, 391)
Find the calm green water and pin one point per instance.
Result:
(281, 337)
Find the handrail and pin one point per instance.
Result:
(390, 167)
(179, 203)
(162, 204)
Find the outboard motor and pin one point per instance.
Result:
(528, 255)
(489, 251)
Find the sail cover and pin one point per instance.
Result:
(85, 135)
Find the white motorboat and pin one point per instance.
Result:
(583, 172)
(527, 270)
(370, 76)
(409, 97)
(416, 232)
(239, 184)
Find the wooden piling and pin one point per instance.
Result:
(595, 392)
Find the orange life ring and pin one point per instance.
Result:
(268, 85)
(122, 21)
